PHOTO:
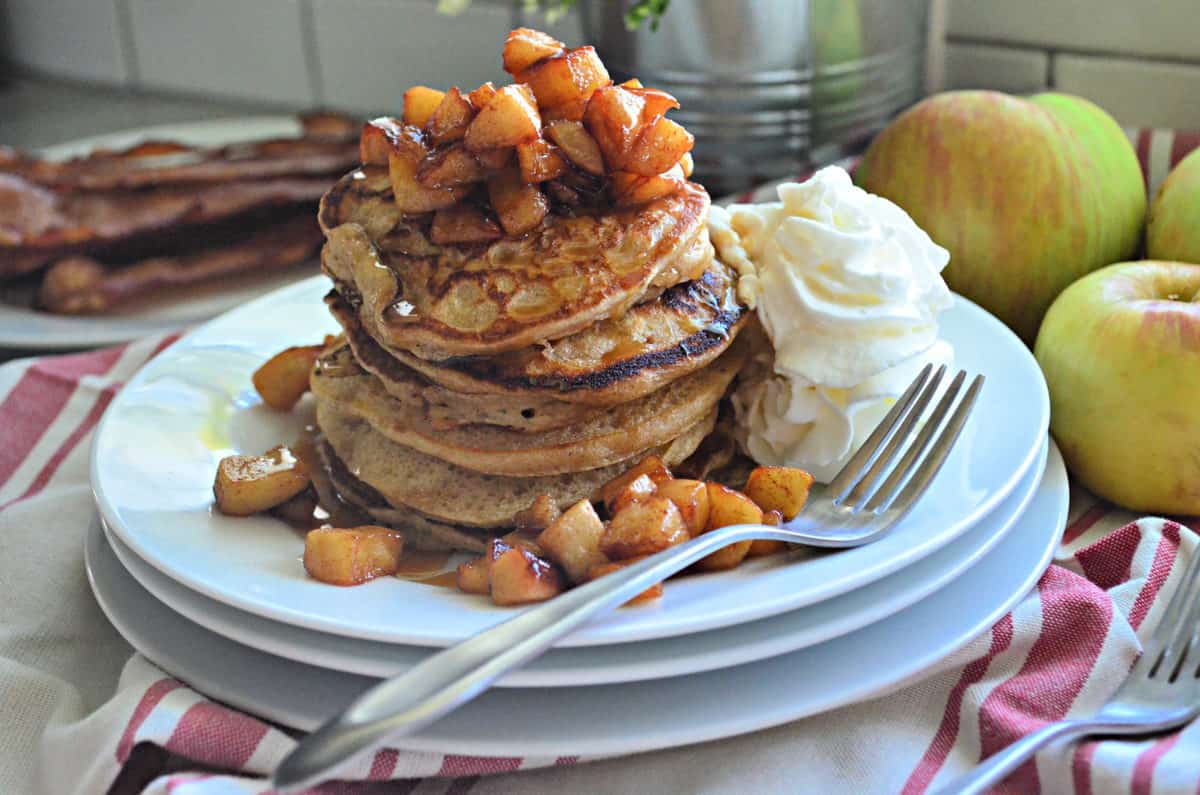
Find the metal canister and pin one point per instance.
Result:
(771, 87)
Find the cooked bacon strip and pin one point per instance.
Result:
(159, 163)
(81, 285)
(37, 226)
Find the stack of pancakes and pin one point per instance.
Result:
(472, 380)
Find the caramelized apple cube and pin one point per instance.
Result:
(248, 484)
(463, 224)
(472, 576)
(573, 541)
(614, 118)
(661, 145)
(540, 161)
(450, 119)
(352, 556)
(632, 82)
(519, 207)
(577, 144)
(540, 514)
(686, 164)
(761, 547)
(630, 190)
(453, 165)
(419, 104)
(413, 197)
(658, 102)
(642, 528)
(482, 95)
(380, 138)
(651, 465)
(525, 47)
(283, 379)
(568, 79)
(641, 487)
(601, 569)
(691, 498)
(510, 118)
(518, 576)
(783, 489)
(494, 159)
(570, 111)
(729, 507)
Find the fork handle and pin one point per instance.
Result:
(446, 680)
(1004, 762)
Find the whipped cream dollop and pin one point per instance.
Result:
(848, 289)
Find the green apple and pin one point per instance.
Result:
(1027, 194)
(1120, 349)
(1173, 230)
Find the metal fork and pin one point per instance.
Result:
(1161, 693)
(854, 509)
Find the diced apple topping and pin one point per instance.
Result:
(644, 527)
(419, 104)
(511, 117)
(525, 47)
(250, 484)
(283, 379)
(573, 541)
(562, 120)
(352, 556)
(519, 206)
(451, 118)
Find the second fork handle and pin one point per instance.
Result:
(1004, 762)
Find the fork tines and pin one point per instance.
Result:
(903, 451)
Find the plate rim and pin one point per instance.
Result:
(534, 675)
(597, 635)
(910, 669)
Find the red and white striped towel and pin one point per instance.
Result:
(1061, 652)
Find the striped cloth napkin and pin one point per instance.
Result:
(1061, 652)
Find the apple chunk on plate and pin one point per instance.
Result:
(451, 166)
(629, 189)
(352, 556)
(577, 144)
(249, 484)
(658, 147)
(540, 161)
(450, 119)
(573, 541)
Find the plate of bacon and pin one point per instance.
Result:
(106, 239)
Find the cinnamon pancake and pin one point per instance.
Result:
(613, 361)
(614, 435)
(443, 492)
(439, 302)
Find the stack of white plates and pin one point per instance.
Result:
(225, 605)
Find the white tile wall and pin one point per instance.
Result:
(253, 49)
(78, 39)
(1137, 58)
(1168, 28)
(370, 51)
(1141, 93)
(1017, 71)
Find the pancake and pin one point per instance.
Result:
(613, 361)
(442, 492)
(439, 302)
(612, 436)
(448, 409)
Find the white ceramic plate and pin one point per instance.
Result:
(618, 662)
(159, 443)
(624, 718)
(21, 327)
